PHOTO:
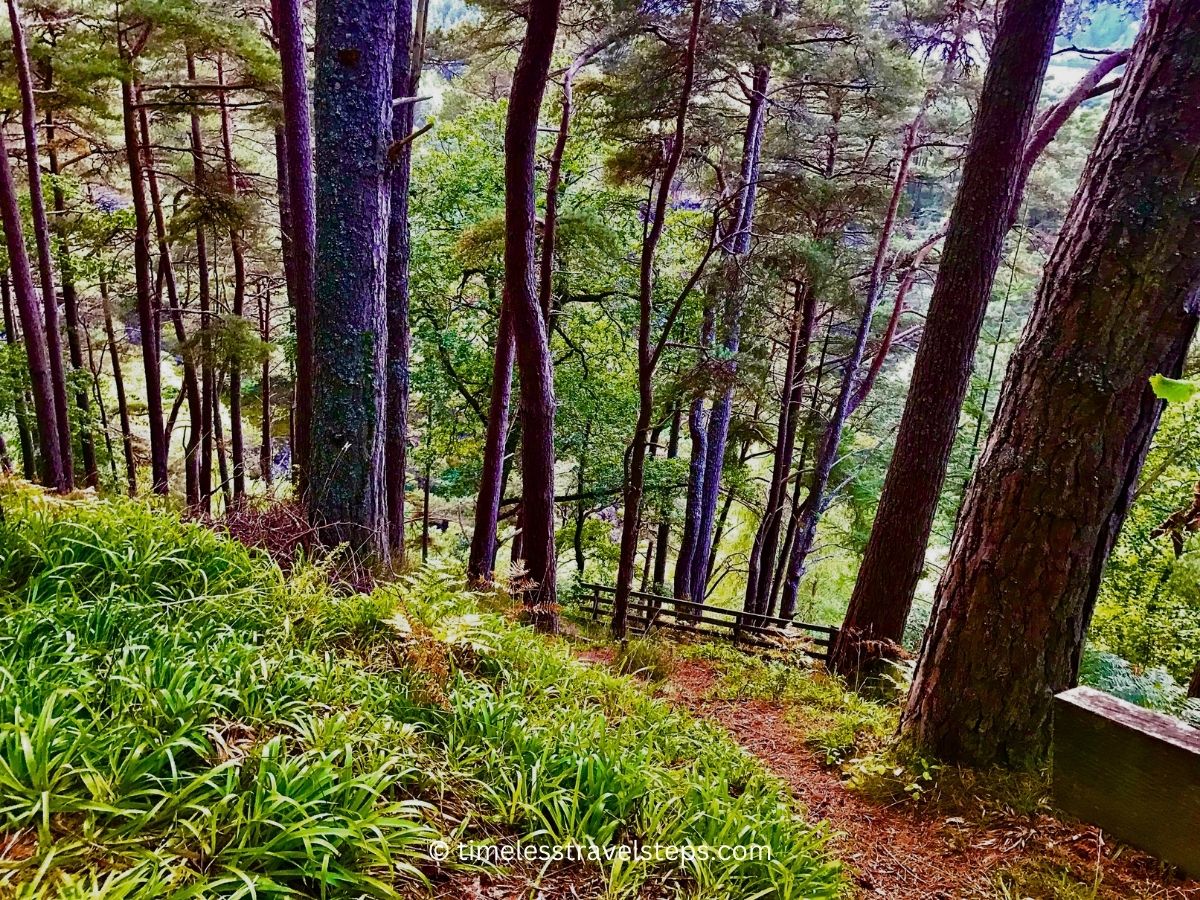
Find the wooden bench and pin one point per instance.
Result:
(1132, 771)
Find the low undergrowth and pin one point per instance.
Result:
(835, 720)
(179, 719)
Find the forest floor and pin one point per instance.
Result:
(968, 845)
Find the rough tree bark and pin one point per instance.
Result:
(41, 383)
(1118, 303)
(41, 238)
(289, 28)
(353, 105)
(648, 352)
(530, 328)
(895, 552)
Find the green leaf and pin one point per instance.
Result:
(1172, 389)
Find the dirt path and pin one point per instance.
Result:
(899, 851)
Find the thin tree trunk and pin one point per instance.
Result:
(698, 434)
(207, 377)
(827, 450)
(166, 274)
(87, 437)
(406, 75)
(119, 386)
(737, 248)
(237, 248)
(895, 552)
(147, 320)
(265, 455)
(761, 565)
(530, 328)
(347, 490)
(219, 440)
(647, 356)
(41, 237)
(482, 560)
(54, 473)
(289, 23)
(94, 368)
(581, 504)
(662, 538)
(28, 462)
(1117, 305)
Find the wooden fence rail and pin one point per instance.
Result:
(650, 611)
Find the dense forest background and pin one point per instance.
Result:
(739, 223)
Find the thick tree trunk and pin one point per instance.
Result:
(54, 474)
(147, 320)
(895, 553)
(635, 471)
(482, 560)
(530, 328)
(41, 238)
(347, 491)
(289, 26)
(28, 462)
(237, 442)
(406, 75)
(166, 272)
(1118, 304)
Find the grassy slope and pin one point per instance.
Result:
(178, 719)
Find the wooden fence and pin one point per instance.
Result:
(650, 611)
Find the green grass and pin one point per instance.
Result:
(178, 719)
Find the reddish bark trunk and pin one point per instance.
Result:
(481, 565)
(766, 539)
(895, 553)
(302, 214)
(1117, 304)
(208, 385)
(530, 328)
(166, 271)
(21, 409)
(147, 320)
(237, 443)
(406, 75)
(41, 238)
(41, 383)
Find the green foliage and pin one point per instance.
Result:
(178, 719)
(1152, 688)
(647, 657)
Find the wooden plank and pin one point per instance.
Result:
(1132, 771)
